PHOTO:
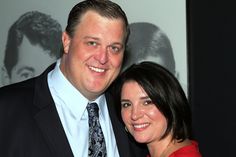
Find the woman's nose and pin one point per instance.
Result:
(136, 113)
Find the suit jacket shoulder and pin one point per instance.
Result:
(30, 125)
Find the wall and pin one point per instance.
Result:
(212, 54)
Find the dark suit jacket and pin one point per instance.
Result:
(30, 125)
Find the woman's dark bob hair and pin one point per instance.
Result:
(165, 92)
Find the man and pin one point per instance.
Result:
(147, 42)
(33, 43)
(47, 117)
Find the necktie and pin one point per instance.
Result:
(97, 146)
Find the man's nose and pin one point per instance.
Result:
(102, 55)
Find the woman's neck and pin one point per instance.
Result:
(158, 147)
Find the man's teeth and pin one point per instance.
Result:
(97, 69)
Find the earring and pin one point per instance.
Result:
(126, 129)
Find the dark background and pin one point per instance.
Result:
(212, 75)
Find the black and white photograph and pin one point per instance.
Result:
(157, 34)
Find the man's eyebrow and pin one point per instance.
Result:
(95, 38)
(25, 68)
(90, 37)
(117, 43)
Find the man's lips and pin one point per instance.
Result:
(98, 70)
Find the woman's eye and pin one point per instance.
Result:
(148, 102)
(125, 105)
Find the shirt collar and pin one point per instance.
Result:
(71, 97)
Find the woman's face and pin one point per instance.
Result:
(142, 118)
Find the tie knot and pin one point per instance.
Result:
(92, 109)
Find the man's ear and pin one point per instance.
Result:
(66, 42)
(5, 79)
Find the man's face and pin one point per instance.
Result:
(93, 56)
(32, 61)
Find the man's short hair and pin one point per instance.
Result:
(40, 29)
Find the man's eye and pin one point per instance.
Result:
(92, 43)
(115, 49)
(27, 75)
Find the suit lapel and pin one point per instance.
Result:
(48, 119)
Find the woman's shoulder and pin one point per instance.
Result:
(191, 150)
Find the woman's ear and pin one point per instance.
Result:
(5, 78)
(66, 42)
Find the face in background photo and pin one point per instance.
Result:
(147, 42)
(33, 43)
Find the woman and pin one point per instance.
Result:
(156, 111)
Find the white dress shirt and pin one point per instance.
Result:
(71, 107)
